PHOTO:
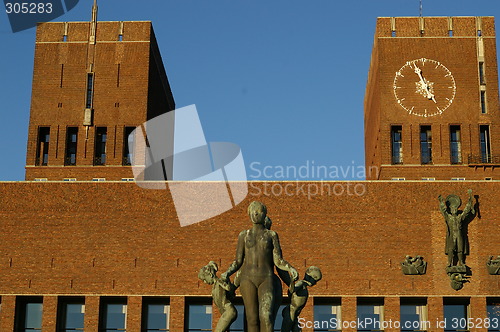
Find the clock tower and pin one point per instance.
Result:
(431, 103)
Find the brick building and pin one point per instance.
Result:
(452, 134)
(93, 83)
(111, 256)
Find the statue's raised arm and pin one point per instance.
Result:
(442, 205)
(469, 208)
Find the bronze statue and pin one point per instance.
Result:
(456, 243)
(222, 294)
(278, 289)
(493, 265)
(299, 294)
(414, 265)
(258, 251)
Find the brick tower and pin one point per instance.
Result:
(431, 103)
(93, 83)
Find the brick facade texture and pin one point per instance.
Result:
(116, 239)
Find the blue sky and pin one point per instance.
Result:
(283, 79)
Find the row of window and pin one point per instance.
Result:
(71, 314)
(70, 156)
(455, 140)
(327, 315)
(369, 316)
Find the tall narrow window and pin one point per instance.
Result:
(128, 141)
(29, 314)
(199, 316)
(456, 312)
(118, 76)
(71, 145)
(42, 148)
(71, 312)
(371, 313)
(156, 315)
(100, 146)
(397, 144)
(113, 315)
(62, 76)
(455, 145)
(484, 136)
(481, 73)
(327, 314)
(493, 306)
(484, 109)
(425, 144)
(413, 313)
(90, 90)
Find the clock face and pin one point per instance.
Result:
(424, 87)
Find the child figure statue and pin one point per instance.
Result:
(298, 294)
(222, 294)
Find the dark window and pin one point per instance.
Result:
(42, 148)
(484, 134)
(327, 314)
(128, 141)
(29, 314)
(481, 73)
(425, 144)
(199, 316)
(71, 144)
(493, 306)
(113, 314)
(100, 146)
(279, 318)
(456, 314)
(450, 33)
(156, 315)
(413, 315)
(455, 145)
(118, 77)
(370, 313)
(483, 102)
(62, 76)
(71, 313)
(90, 90)
(239, 324)
(397, 144)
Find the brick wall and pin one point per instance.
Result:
(116, 239)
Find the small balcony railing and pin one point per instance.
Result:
(483, 160)
(127, 161)
(100, 161)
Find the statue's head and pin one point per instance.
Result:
(257, 212)
(207, 273)
(453, 202)
(313, 275)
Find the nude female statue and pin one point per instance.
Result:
(258, 251)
